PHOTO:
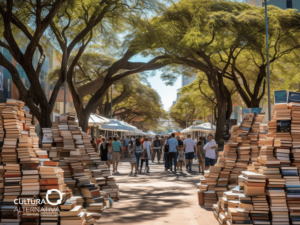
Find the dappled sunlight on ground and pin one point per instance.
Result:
(156, 198)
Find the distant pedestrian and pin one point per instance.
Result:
(210, 152)
(156, 149)
(147, 147)
(99, 140)
(103, 150)
(127, 140)
(180, 145)
(180, 159)
(138, 148)
(166, 152)
(117, 149)
(190, 146)
(173, 149)
(200, 155)
(132, 157)
(143, 139)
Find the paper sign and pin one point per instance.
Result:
(294, 97)
(280, 97)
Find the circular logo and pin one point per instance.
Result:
(58, 201)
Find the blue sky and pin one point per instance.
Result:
(167, 93)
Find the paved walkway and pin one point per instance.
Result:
(157, 198)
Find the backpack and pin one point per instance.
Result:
(167, 146)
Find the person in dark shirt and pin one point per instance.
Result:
(200, 145)
(180, 144)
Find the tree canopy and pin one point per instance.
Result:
(226, 41)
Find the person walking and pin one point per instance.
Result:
(132, 157)
(137, 148)
(190, 146)
(166, 152)
(127, 140)
(117, 149)
(143, 139)
(162, 143)
(180, 144)
(200, 155)
(103, 149)
(156, 148)
(146, 146)
(173, 149)
(99, 140)
(210, 152)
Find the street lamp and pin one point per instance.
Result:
(111, 98)
(186, 121)
(268, 61)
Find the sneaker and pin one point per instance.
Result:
(135, 173)
(131, 173)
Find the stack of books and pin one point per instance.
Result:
(2, 106)
(75, 216)
(254, 183)
(12, 190)
(260, 212)
(51, 177)
(210, 198)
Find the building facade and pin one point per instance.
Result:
(52, 60)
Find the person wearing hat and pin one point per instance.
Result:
(210, 151)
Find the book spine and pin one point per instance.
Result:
(49, 187)
(48, 181)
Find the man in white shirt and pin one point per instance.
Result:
(210, 152)
(190, 146)
(148, 147)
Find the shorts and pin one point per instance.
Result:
(199, 158)
(209, 161)
(115, 155)
(189, 155)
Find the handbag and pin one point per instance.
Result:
(144, 154)
(167, 147)
(132, 159)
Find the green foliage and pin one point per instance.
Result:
(143, 104)
(227, 36)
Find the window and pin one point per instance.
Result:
(289, 4)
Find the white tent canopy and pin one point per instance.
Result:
(97, 120)
(203, 126)
(186, 130)
(114, 125)
(150, 132)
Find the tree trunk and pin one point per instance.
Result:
(84, 120)
(222, 111)
(45, 122)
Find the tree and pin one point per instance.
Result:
(210, 36)
(100, 22)
(143, 105)
(190, 106)
(74, 25)
(16, 16)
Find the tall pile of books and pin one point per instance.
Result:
(272, 183)
(241, 149)
(11, 114)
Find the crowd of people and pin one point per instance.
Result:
(174, 151)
